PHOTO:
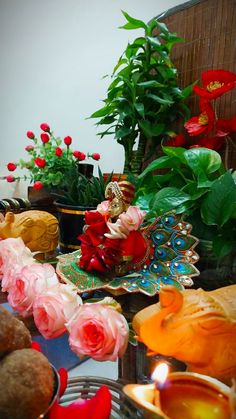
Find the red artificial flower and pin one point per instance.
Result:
(95, 156)
(58, 152)
(176, 141)
(79, 155)
(10, 178)
(40, 162)
(134, 246)
(213, 143)
(29, 148)
(215, 82)
(30, 135)
(44, 137)
(38, 185)
(225, 126)
(202, 123)
(11, 167)
(68, 140)
(45, 127)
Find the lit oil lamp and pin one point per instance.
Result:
(182, 395)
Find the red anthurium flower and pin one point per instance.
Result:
(11, 166)
(40, 162)
(38, 185)
(176, 141)
(226, 126)
(45, 127)
(29, 148)
(44, 137)
(215, 82)
(68, 140)
(30, 135)
(79, 155)
(95, 156)
(202, 123)
(213, 143)
(10, 178)
(58, 152)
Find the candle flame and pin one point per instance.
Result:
(160, 373)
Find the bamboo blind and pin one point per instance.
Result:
(209, 30)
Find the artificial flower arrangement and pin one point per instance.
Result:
(214, 130)
(58, 169)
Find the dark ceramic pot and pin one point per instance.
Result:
(71, 222)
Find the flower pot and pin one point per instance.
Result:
(41, 199)
(85, 169)
(71, 222)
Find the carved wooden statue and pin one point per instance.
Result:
(193, 326)
(38, 229)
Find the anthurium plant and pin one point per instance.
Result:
(144, 98)
(196, 183)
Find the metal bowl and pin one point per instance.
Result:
(55, 393)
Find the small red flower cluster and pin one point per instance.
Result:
(48, 160)
(214, 130)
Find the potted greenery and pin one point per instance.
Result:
(144, 98)
(62, 173)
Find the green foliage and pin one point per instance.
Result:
(143, 99)
(193, 182)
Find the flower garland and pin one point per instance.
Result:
(34, 289)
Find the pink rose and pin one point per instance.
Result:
(53, 308)
(13, 256)
(103, 207)
(98, 331)
(132, 218)
(30, 281)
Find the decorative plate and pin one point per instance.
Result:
(170, 261)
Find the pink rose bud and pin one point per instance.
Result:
(45, 138)
(40, 162)
(29, 148)
(38, 185)
(30, 135)
(10, 178)
(96, 156)
(45, 127)
(58, 152)
(68, 140)
(11, 167)
(79, 155)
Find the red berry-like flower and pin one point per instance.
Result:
(45, 127)
(58, 152)
(30, 135)
(45, 138)
(40, 162)
(68, 140)
(10, 178)
(96, 156)
(11, 166)
(38, 185)
(29, 148)
(79, 155)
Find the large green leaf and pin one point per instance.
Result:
(175, 152)
(219, 204)
(151, 130)
(160, 163)
(133, 23)
(203, 160)
(123, 132)
(140, 108)
(169, 198)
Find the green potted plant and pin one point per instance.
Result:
(62, 172)
(144, 98)
(196, 183)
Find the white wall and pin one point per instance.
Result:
(53, 55)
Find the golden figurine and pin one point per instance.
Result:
(120, 194)
(193, 326)
(38, 229)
